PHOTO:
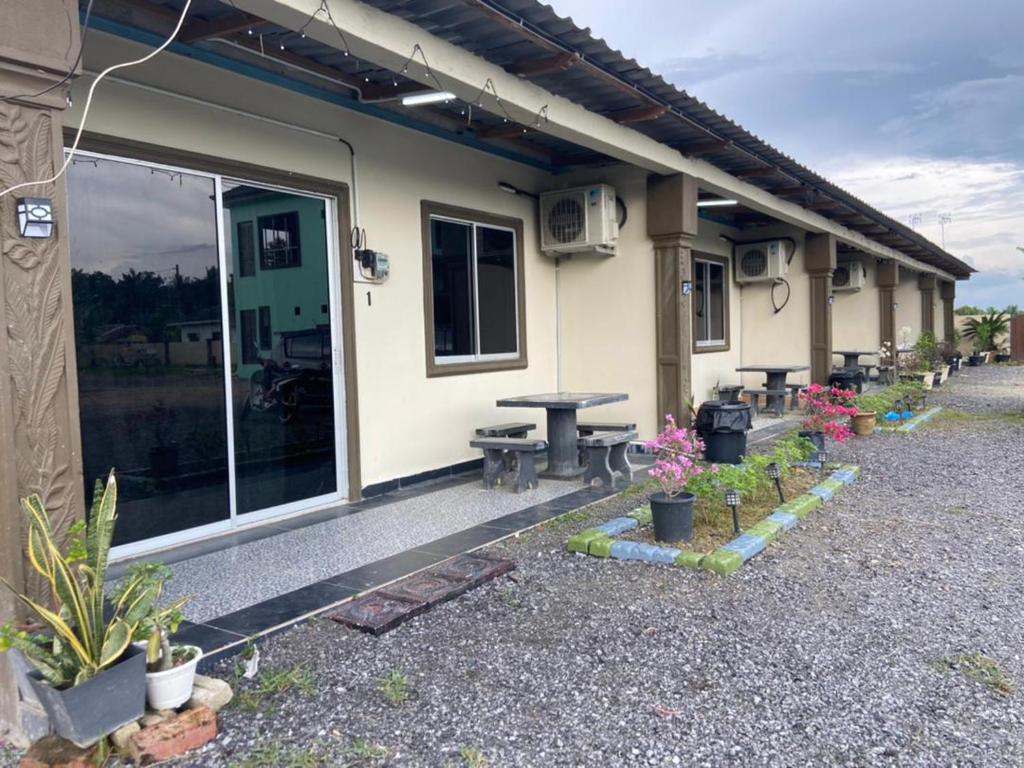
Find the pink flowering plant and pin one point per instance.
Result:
(825, 410)
(676, 450)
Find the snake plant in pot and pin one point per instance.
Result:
(170, 670)
(676, 450)
(88, 676)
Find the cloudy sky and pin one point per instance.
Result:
(916, 106)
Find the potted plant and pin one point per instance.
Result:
(986, 332)
(1002, 355)
(88, 676)
(676, 450)
(163, 457)
(823, 409)
(170, 669)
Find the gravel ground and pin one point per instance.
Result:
(846, 643)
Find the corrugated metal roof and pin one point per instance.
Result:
(510, 33)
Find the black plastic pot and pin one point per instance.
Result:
(88, 712)
(975, 360)
(818, 438)
(672, 517)
(1002, 358)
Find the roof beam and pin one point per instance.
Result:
(511, 131)
(703, 148)
(757, 173)
(200, 29)
(544, 66)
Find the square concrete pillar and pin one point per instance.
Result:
(671, 225)
(947, 292)
(39, 432)
(926, 284)
(820, 258)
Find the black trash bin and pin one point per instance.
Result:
(723, 427)
(847, 378)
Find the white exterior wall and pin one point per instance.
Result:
(408, 423)
(782, 338)
(606, 309)
(908, 310)
(856, 315)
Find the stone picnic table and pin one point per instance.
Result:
(776, 380)
(561, 407)
(851, 358)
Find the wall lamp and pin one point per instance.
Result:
(35, 216)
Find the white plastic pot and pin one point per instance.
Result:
(172, 687)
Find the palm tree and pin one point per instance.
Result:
(986, 330)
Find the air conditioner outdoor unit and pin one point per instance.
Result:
(761, 262)
(848, 276)
(579, 220)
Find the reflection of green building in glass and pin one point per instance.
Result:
(279, 286)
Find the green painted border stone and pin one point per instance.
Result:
(802, 506)
(642, 515)
(722, 561)
(689, 558)
(580, 542)
(601, 546)
(766, 529)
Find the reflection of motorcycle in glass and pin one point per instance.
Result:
(290, 379)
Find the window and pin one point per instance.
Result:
(279, 241)
(248, 340)
(710, 304)
(265, 334)
(474, 294)
(246, 250)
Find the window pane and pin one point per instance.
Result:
(496, 277)
(146, 294)
(716, 302)
(700, 301)
(452, 280)
(283, 387)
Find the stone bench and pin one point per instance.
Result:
(755, 399)
(590, 427)
(516, 429)
(509, 461)
(606, 457)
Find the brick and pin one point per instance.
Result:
(746, 545)
(802, 506)
(722, 562)
(580, 542)
(665, 555)
(210, 692)
(618, 525)
(190, 730)
(786, 519)
(642, 514)
(601, 547)
(689, 559)
(121, 736)
(55, 752)
(767, 529)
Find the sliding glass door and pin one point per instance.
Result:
(167, 263)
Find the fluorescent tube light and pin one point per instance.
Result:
(426, 98)
(716, 203)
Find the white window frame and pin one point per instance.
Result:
(705, 265)
(480, 358)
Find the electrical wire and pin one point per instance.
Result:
(71, 69)
(779, 307)
(88, 103)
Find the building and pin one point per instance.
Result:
(250, 171)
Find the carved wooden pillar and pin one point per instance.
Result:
(888, 279)
(947, 292)
(671, 224)
(926, 284)
(39, 433)
(820, 251)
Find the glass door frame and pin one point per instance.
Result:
(235, 522)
